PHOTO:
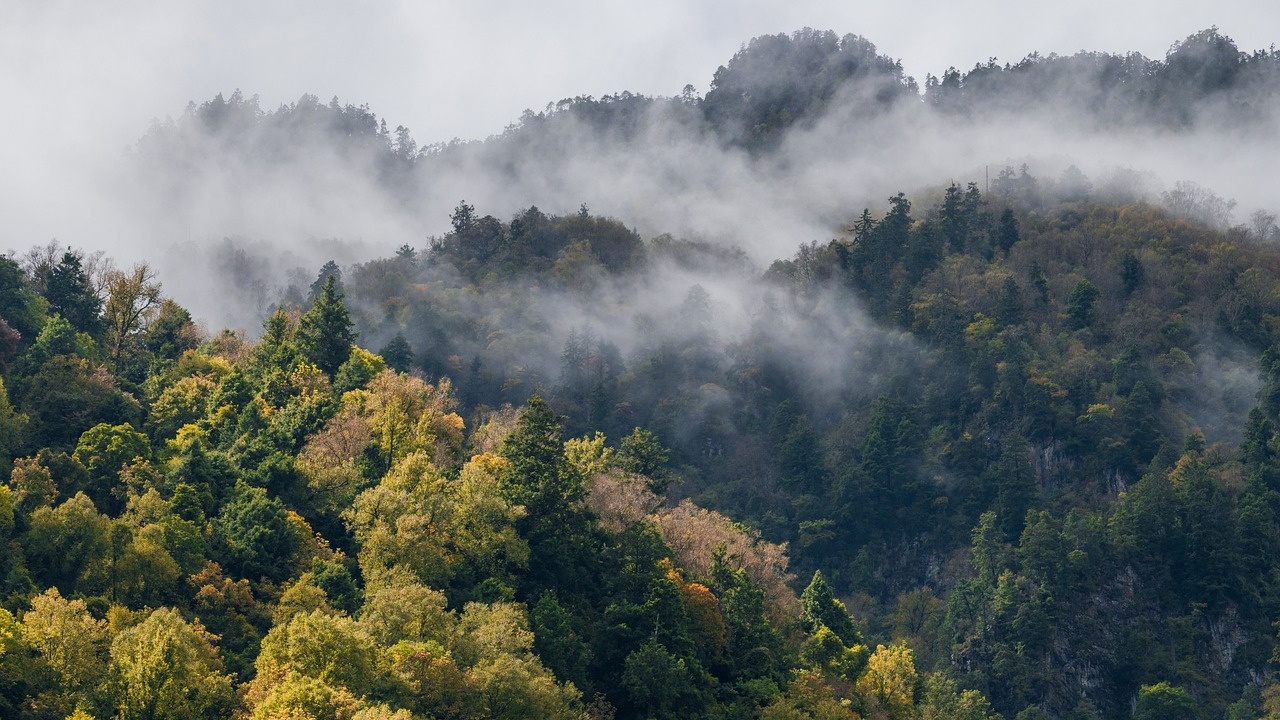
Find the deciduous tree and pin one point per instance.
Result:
(167, 669)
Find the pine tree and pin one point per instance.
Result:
(324, 332)
(329, 270)
(398, 353)
(1007, 234)
(539, 478)
(557, 525)
(821, 608)
(70, 295)
(1081, 304)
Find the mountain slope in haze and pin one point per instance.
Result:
(1028, 435)
(797, 128)
(1005, 448)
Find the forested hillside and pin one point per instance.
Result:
(988, 451)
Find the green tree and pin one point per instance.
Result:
(18, 305)
(539, 478)
(172, 332)
(68, 395)
(1009, 310)
(329, 270)
(104, 450)
(798, 451)
(207, 474)
(71, 295)
(165, 668)
(71, 642)
(821, 608)
(557, 644)
(253, 536)
(1163, 701)
(398, 353)
(57, 337)
(1015, 482)
(324, 332)
(1007, 233)
(10, 340)
(641, 453)
(659, 683)
(1209, 524)
(990, 551)
(13, 426)
(1081, 304)
(1040, 281)
(69, 547)
(1131, 272)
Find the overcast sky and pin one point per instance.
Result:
(80, 80)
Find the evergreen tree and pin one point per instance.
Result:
(539, 478)
(820, 608)
(329, 271)
(398, 353)
(797, 450)
(17, 300)
(172, 333)
(1131, 272)
(558, 645)
(324, 332)
(1009, 310)
(641, 453)
(1081, 304)
(1007, 234)
(70, 295)
(557, 525)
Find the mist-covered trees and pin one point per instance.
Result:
(1202, 77)
(1054, 360)
(265, 536)
(1015, 431)
(574, 247)
(776, 81)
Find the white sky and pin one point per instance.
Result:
(81, 80)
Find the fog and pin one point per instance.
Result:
(314, 202)
(233, 216)
(85, 81)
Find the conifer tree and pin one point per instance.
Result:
(557, 525)
(71, 295)
(398, 353)
(330, 270)
(539, 478)
(324, 332)
(820, 607)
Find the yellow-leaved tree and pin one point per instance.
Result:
(889, 681)
(419, 526)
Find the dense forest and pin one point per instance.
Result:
(1008, 450)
